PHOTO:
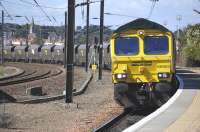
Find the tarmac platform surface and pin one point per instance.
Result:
(183, 114)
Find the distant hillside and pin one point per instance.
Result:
(94, 32)
(20, 31)
(43, 31)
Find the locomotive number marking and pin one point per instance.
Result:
(163, 66)
(142, 63)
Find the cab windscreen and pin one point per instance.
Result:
(126, 46)
(156, 45)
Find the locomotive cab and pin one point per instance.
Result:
(142, 63)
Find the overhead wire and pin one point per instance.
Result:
(30, 3)
(54, 18)
(83, 11)
(26, 3)
(42, 10)
(152, 8)
(13, 16)
(198, 12)
(11, 2)
(38, 5)
(115, 14)
(6, 11)
(35, 5)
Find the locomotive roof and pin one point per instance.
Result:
(141, 24)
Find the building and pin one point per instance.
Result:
(52, 38)
(18, 41)
(7, 38)
(32, 35)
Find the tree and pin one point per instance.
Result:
(192, 36)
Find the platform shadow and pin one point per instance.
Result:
(190, 79)
(183, 71)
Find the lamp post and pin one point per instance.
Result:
(178, 18)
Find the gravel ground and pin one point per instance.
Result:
(88, 111)
(6, 71)
(9, 70)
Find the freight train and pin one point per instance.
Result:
(54, 54)
(141, 55)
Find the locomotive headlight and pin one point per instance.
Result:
(124, 76)
(121, 76)
(163, 75)
(141, 32)
(160, 75)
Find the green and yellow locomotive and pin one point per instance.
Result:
(143, 63)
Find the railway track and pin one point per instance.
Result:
(128, 117)
(49, 77)
(31, 73)
(122, 121)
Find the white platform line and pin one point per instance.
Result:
(150, 117)
(188, 73)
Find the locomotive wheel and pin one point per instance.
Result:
(120, 95)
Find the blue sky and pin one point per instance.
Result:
(165, 11)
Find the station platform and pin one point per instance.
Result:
(181, 113)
